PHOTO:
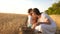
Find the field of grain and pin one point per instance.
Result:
(10, 23)
(56, 18)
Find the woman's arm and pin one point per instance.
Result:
(47, 21)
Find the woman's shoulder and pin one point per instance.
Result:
(44, 14)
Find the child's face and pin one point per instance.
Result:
(30, 13)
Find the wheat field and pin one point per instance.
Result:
(10, 23)
(56, 18)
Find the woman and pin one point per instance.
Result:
(45, 24)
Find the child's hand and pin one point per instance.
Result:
(33, 26)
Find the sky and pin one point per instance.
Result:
(22, 6)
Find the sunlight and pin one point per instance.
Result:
(21, 6)
(15, 6)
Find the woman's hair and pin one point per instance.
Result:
(36, 11)
(29, 10)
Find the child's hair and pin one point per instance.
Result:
(29, 10)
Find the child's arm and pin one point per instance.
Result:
(33, 26)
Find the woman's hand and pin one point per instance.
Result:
(47, 21)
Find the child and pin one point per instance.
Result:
(29, 24)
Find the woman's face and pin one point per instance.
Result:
(34, 15)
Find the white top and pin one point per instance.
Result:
(44, 28)
(29, 21)
(44, 16)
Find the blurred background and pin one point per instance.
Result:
(13, 13)
(21, 6)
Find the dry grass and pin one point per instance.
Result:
(56, 18)
(10, 23)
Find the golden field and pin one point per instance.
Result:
(10, 23)
(56, 18)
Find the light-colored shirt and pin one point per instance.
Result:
(29, 21)
(44, 15)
